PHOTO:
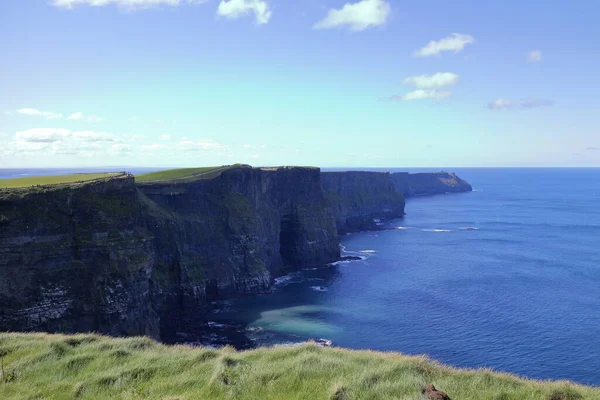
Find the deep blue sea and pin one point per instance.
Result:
(506, 277)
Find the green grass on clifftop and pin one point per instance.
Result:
(51, 180)
(182, 174)
(43, 366)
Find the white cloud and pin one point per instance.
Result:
(441, 79)
(153, 146)
(42, 135)
(254, 147)
(503, 104)
(37, 113)
(62, 142)
(92, 136)
(237, 8)
(200, 145)
(357, 16)
(421, 94)
(534, 56)
(82, 116)
(455, 42)
(120, 148)
(165, 137)
(127, 4)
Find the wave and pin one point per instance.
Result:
(402, 228)
(368, 251)
(335, 263)
(319, 288)
(288, 279)
(469, 228)
(436, 230)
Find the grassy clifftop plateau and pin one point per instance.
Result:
(53, 180)
(43, 366)
(183, 174)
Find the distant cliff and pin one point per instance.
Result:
(358, 198)
(428, 183)
(113, 257)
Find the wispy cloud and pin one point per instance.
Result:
(455, 42)
(81, 116)
(503, 104)
(421, 94)
(60, 141)
(37, 113)
(42, 135)
(593, 148)
(534, 56)
(238, 8)
(200, 145)
(165, 137)
(435, 81)
(357, 16)
(427, 87)
(126, 4)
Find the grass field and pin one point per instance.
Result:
(43, 366)
(181, 174)
(50, 180)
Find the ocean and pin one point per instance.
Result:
(505, 277)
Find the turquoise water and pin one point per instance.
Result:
(506, 277)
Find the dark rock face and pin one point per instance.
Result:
(76, 260)
(359, 198)
(423, 184)
(229, 236)
(111, 257)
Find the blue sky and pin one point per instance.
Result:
(315, 82)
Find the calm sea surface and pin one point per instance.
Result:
(506, 277)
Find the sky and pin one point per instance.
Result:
(359, 83)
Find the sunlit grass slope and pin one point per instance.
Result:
(182, 174)
(43, 366)
(51, 180)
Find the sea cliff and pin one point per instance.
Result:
(359, 199)
(76, 257)
(121, 257)
(113, 257)
(429, 183)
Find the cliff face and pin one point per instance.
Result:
(422, 184)
(76, 259)
(230, 235)
(357, 198)
(111, 257)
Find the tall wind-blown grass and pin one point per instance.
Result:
(44, 366)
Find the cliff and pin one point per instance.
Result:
(76, 257)
(359, 198)
(230, 235)
(422, 184)
(113, 257)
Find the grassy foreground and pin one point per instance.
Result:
(51, 180)
(43, 366)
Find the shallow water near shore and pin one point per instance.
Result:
(506, 277)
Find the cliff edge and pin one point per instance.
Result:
(429, 183)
